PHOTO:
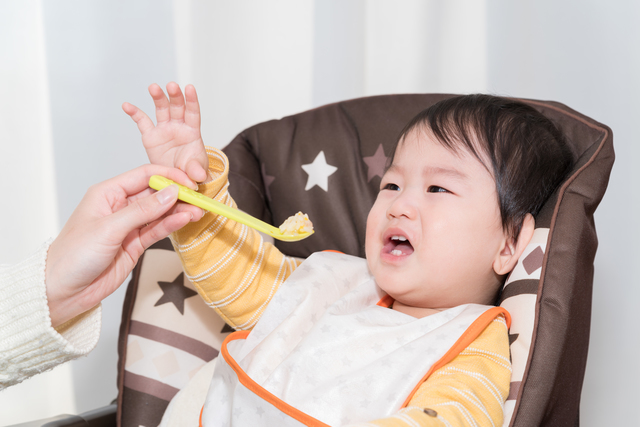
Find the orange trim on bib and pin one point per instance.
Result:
(463, 342)
(386, 301)
(260, 391)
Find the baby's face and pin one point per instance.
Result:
(435, 230)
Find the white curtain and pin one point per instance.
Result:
(29, 211)
(66, 67)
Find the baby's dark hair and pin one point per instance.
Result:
(528, 155)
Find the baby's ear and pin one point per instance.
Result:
(512, 248)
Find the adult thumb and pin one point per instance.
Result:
(143, 211)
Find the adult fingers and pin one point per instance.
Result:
(136, 180)
(176, 106)
(161, 102)
(192, 113)
(160, 229)
(142, 120)
(142, 194)
(141, 212)
(196, 212)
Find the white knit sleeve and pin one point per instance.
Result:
(28, 343)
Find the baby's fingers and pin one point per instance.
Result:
(161, 102)
(192, 114)
(142, 120)
(196, 171)
(176, 106)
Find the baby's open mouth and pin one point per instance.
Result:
(398, 246)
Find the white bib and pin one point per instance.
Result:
(324, 351)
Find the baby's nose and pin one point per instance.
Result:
(403, 206)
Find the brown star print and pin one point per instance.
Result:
(175, 292)
(376, 163)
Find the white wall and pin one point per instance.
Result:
(253, 60)
(26, 171)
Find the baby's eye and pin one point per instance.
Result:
(392, 187)
(436, 189)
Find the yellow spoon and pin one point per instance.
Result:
(185, 194)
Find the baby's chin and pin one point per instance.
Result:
(417, 295)
(405, 295)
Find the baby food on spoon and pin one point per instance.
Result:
(297, 224)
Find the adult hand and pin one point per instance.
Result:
(106, 234)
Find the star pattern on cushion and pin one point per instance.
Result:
(175, 292)
(227, 329)
(376, 163)
(513, 338)
(319, 171)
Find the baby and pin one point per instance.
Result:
(407, 336)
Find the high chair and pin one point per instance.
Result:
(167, 333)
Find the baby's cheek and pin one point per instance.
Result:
(371, 229)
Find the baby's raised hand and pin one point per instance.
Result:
(175, 140)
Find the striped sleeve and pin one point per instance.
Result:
(468, 391)
(232, 268)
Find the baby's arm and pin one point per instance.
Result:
(470, 390)
(233, 269)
